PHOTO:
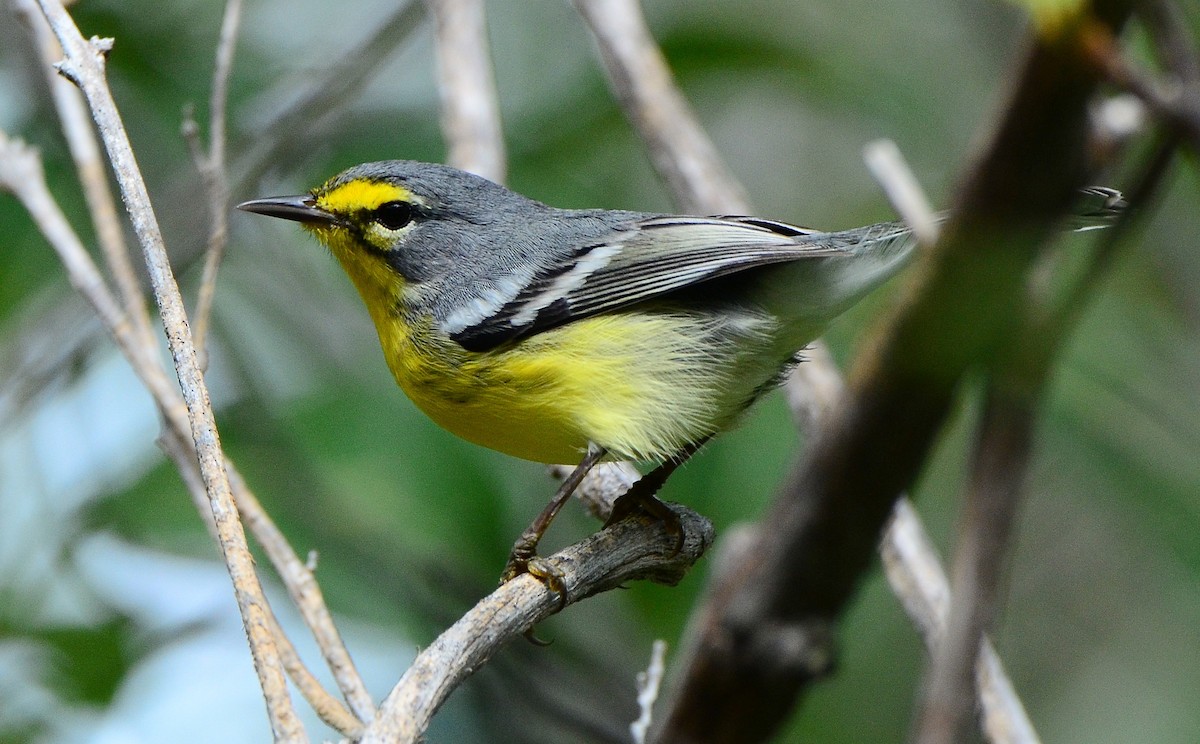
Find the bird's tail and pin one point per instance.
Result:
(875, 252)
(1097, 207)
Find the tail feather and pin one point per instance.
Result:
(880, 250)
(1097, 207)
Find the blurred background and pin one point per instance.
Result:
(117, 622)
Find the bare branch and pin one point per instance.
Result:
(681, 151)
(1000, 462)
(887, 165)
(93, 176)
(335, 85)
(470, 111)
(915, 574)
(635, 548)
(1177, 101)
(649, 682)
(84, 65)
(213, 172)
(818, 539)
(306, 593)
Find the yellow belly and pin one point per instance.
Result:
(641, 384)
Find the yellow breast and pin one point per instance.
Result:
(636, 383)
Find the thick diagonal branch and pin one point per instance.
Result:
(768, 634)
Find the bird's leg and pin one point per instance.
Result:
(525, 548)
(641, 495)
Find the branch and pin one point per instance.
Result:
(965, 665)
(915, 574)
(324, 94)
(1001, 460)
(84, 65)
(1176, 101)
(470, 112)
(211, 166)
(819, 538)
(649, 683)
(93, 176)
(679, 148)
(638, 547)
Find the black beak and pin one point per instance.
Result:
(301, 208)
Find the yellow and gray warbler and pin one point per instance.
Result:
(553, 334)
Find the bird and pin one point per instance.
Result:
(578, 335)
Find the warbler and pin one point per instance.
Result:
(553, 334)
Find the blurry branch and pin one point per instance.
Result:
(211, 166)
(470, 112)
(891, 172)
(635, 548)
(1176, 99)
(93, 176)
(965, 666)
(681, 151)
(999, 465)
(768, 632)
(915, 574)
(300, 121)
(649, 683)
(1002, 454)
(1172, 37)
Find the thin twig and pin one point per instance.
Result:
(649, 683)
(338, 82)
(680, 150)
(999, 465)
(635, 548)
(84, 65)
(306, 593)
(213, 172)
(93, 175)
(470, 111)
(329, 709)
(915, 573)
(887, 165)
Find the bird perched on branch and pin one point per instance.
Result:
(555, 335)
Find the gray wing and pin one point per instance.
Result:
(647, 259)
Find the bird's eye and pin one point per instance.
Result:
(393, 215)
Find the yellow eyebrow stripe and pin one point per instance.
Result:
(356, 195)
